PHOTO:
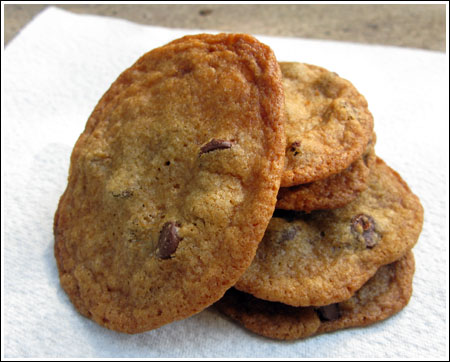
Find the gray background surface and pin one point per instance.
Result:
(410, 25)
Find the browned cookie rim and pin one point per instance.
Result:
(332, 192)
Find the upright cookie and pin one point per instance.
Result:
(173, 182)
(385, 294)
(332, 192)
(328, 123)
(325, 256)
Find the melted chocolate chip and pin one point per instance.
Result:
(215, 145)
(168, 240)
(364, 226)
(329, 312)
(124, 194)
(294, 146)
(288, 234)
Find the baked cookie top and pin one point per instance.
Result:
(325, 256)
(328, 124)
(173, 182)
(332, 192)
(385, 294)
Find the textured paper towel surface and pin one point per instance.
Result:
(54, 73)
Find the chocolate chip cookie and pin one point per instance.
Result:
(173, 182)
(323, 257)
(385, 294)
(328, 124)
(332, 192)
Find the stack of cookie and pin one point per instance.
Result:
(174, 182)
(337, 252)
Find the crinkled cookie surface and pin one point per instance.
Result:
(173, 182)
(328, 124)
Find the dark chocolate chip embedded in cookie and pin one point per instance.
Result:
(323, 257)
(363, 227)
(215, 145)
(385, 294)
(173, 182)
(328, 124)
(168, 240)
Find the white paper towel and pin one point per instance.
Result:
(54, 73)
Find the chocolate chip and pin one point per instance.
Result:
(287, 234)
(186, 69)
(364, 226)
(215, 145)
(168, 240)
(329, 312)
(294, 146)
(124, 194)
